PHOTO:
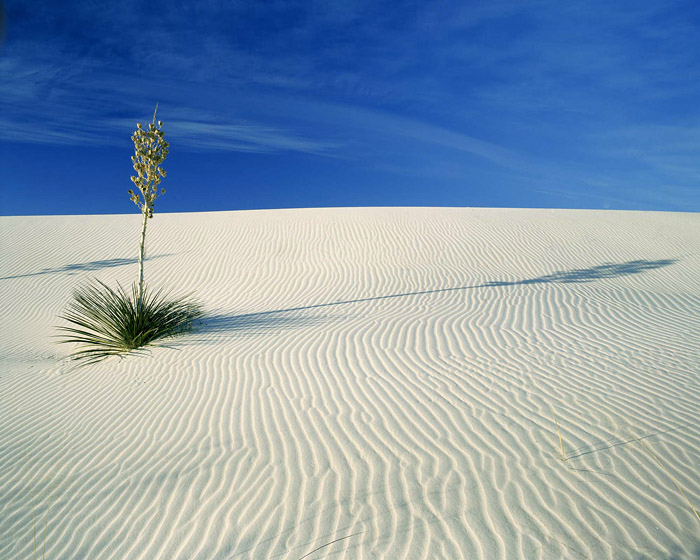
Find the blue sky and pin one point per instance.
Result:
(275, 104)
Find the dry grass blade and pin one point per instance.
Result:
(34, 527)
(46, 522)
(561, 443)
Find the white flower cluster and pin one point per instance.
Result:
(151, 149)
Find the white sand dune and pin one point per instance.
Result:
(368, 383)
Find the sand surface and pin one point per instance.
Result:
(368, 383)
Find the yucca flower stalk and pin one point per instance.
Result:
(150, 149)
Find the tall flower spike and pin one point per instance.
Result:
(150, 151)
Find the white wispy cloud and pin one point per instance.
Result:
(209, 134)
(374, 123)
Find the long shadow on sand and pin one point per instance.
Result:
(84, 267)
(258, 323)
(581, 275)
(270, 320)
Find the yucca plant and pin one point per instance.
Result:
(106, 322)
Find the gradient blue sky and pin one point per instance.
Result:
(273, 104)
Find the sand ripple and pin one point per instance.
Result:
(368, 383)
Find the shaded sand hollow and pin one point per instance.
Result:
(367, 383)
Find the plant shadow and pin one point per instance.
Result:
(72, 269)
(255, 324)
(251, 324)
(581, 275)
(266, 320)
